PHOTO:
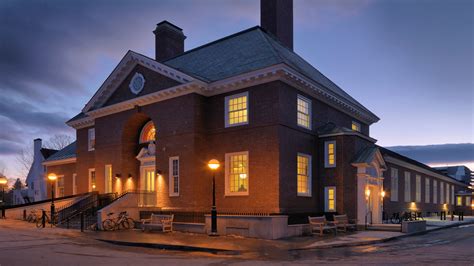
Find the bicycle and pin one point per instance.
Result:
(47, 218)
(32, 217)
(122, 221)
(395, 219)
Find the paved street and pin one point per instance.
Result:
(21, 244)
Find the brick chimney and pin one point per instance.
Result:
(169, 41)
(276, 16)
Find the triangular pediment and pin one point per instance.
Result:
(370, 156)
(118, 87)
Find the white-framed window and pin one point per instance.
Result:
(468, 201)
(92, 180)
(448, 198)
(236, 109)
(303, 115)
(441, 193)
(435, 191)
(303, 175)
(91, 139)
(355, 126)
(330, 199)
(330, 154)
(418, 188)
(108, 178)
(393, 184)
(458, 200)
(452, 194)
(60, 187)
(237, 173)
(74, 184)
(427, 190)
(407, 187)
(174, 176)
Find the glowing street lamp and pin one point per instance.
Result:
(52, 177)
(213, 165)
(3, 182)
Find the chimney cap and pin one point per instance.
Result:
(38, 139)
(169, 25)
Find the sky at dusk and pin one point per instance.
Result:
(409, 62)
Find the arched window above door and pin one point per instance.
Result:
(148, 133)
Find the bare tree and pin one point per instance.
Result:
(58, 142)
(18, 184)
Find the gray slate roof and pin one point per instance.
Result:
(366, 155)
(67, 152)
(244, 52)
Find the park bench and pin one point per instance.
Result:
(342, 221)
(320, 224)
(158, 221)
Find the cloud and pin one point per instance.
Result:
(438, 154)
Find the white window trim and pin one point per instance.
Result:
(310, 111)
(310, 175)
(326, 199)
(394, 181)
(326, 154)
(227, 174)
(418, 188)
(427, 190)
(74, 184)
(358, 126)
(56, 188)
(226, 109)
(407, 187)
(90, 179)
(171, 177)
(468, 201)
(435, 191)
(106, 186)
(90, 132)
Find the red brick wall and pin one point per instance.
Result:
(66, 170)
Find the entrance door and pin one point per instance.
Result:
(148, 193)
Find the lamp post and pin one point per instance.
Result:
(52, 177)
(213, 165)
(3, 182)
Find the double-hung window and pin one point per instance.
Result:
(237, 173)
(468, 201)
(330, 154)
(91, 139)
(92, 180)
(303, 105)
(303, 175)
(427, 190)
(435, 191)
(441, 193)
(407, 187)
(174, 176)
(393, 184)
(330, 203)
(236, 109)
(60, 187)
(418, 188)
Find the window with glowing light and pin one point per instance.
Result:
(237, 175)
(458, 201)
(330, 154)
(236, 109)
(355, 126)
(148, 133)
(330, 193)
(60, 187)
(303, 175)
(92, 180)
(303, 106)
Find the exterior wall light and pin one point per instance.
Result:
(382, 194)
(243, 176)
(129, 176)
(367, 193)
(159, 173)
(118, 176)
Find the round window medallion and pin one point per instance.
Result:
(137, 83)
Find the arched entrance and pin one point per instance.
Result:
(147, 156)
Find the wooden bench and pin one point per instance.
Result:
(158, 221)
(342, 221)
(320, 224)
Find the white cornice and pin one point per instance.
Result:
(60, 162)
(355, 133)
(421, 170)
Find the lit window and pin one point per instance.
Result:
(330, 154)
(355, 126)
(60, 187)
(435, 191)
(427, 190)
(237, 176)
(458, 201)
(394, 184)
(236, 109)
(92, 180)
(91, 139)
(148, 133)
(330, 199)
(303, 112)
(108, 178)
(468, 201)
(303, 172)
(174, 176)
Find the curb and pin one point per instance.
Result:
(172, 247)
(383, 240)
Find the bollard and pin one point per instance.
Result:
(43, 219)
(82, 221)
(452, 216)
(24, 215)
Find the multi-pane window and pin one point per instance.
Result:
(60, 187)
(427, 190)
(355, 126)
(330, 199)
(91, 139)
(237, 175)
(330, 154)
(448, 198)
(468, 201)
(236, 109)
(92, 180)
(394, 184)
(452, 194)
(303, 174)
(418, 188)
(407, 187)
(303, 106)
(441, 193)
(174, 176)
(74, 184)
(458, 201)
(435, 191)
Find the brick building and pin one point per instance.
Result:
(290, 141)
